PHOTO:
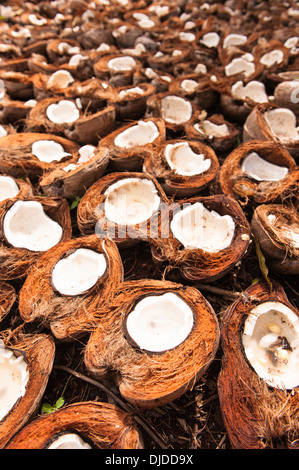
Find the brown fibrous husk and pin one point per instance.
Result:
(149, 380)
(39, 352)
(69, 316)
(104, 425)
(235, 183)
(15, 262)
(197, 265)
(8, 297)
(256, 416)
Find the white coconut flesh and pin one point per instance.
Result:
(210, 39)
(211, 130)
(8, 188)
(131, 201)
(198, 228)
(26, 225)
(290, 232)
(189, 85)
(282, 122)
(60, 79)
(48, 151)
(130, 92)
(254, 90)
(262, 170)
(272, 58)
(86, 153)
(78, 272)
(234, 40)
(69, 440)
(122, 64)
(141, 134)
(176, 110)
(160, 322)
(181, 158)
(63, 112)
(14, 377)
(239, 65)
(3, 131)
(271, 344)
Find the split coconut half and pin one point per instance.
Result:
(183, 167)
(174, 109)
(276, 226)
(32, 153)
(204, 236)
(260, 171)
(258, 382)
(131, 143)
(30, 227)
(25, 363)
(69, 284)
(164, 338)
(85, 425)
(121, 206)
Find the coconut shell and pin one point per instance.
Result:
(197, 265)
(69, 316)
(103, 425)
(39, 351)
(178, 185)
(55, 55)
(131, 159)
(144, 379)
(16, 158)
(132, 105)
(15, 262)
(91, 216)
(218, 144)
(256, 416)
(14, 112)
(88, 128)
(25, 188)
(204, 95)
(235, 183)
(59, 183)
(257, 128)
(117, 78)
(281, 254)
(18, 85)
(7, 299)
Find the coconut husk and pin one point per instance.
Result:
(218, 144)
(256, 416)
(178, 185)
(154, 109)
(204, 95)
(116, 78)
(283, 256)
(69, 316)
(159, 79)
(91, 216)
(257, 128)
(144, 379)
(16, 158)
(235, 183)
(103, 425)
(93, 93)
(25, 188)
(131, 159)
(259, 50)
(18, 85)
(68, 184)
(15, 262)
(197, 265)
(88, 129)
(132, 105)
(55, 55)
(14, 112)
(39, 351)
(8, 297)
(37, 47)
(38, 63)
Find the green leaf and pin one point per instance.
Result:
(47, 408)
(75, 202)
(59, 403)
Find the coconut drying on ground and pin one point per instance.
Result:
(149, 225)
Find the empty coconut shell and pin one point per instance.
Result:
(101, 425)
(148, 379)
(69, 315)
(256, 415)
(38, 351)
